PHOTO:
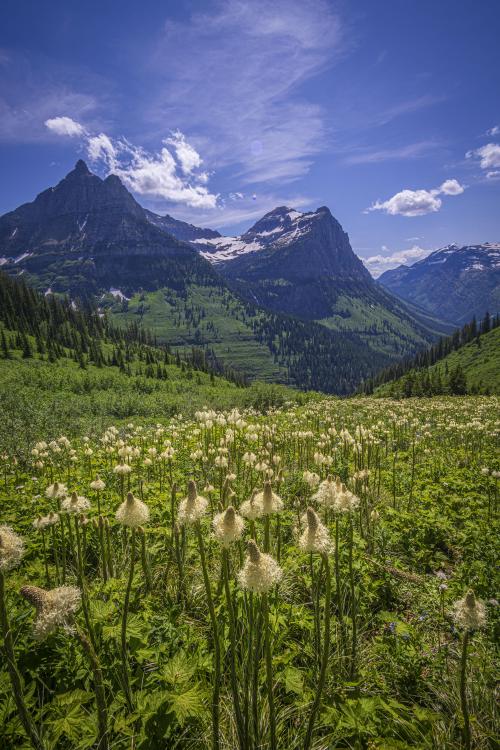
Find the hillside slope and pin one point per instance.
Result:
(63, 370)
(302, 264)
(473, 368)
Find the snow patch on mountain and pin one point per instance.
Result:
(22, 257)
(275, 230)
(118, 294)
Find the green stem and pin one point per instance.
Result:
(269, 671)
(324, 661)
(56, 554)
(15, 677)
(353, 605)
(82, 583)
(46, 563)
(232, 638)
(215, 630)
(463, 695)
(125, 664)
(100, 695)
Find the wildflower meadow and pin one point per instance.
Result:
(312, 576)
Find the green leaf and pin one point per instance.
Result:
(293, 680)
(187, 705)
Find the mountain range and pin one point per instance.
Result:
(302, 264)
(287, 301)
(455, 283)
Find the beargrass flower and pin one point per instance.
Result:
(268, 501)
(11, 549)
(315, 537)
(56, 490)
(260, 572)
(132, 512)
(327, 492)
(97, 484)
(346, 501)
(55, 608)
(193, 507)
(228, 526)
(250, 508)
(122, 469)
(469, 613)
(75, 504)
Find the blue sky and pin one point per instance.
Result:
(387, 112)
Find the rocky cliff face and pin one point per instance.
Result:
(181, 229)
(87, 235)
(295, 262)
(454, 282)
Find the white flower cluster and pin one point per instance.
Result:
(11, 549)
(55, 608)
(228, 526)
(315, 537)
(132, 512)
(469, 613)
(193, 507)
(260, 572)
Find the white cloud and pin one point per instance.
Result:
(236, 196)
(100, 147)
(494, 175)
(377, 264)
(488, 155)
(156, 175)
(495, 130)
(187, 156)
(34, 90)
(64, 126)
(241, 87)
(417, 202)
(451, 187)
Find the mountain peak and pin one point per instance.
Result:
(79, 169)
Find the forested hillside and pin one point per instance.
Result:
(466, 362)
(69, 369)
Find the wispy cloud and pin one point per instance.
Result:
(366, 155)
(377, 264)
(417, 202)
(406, 107)
(234, 75)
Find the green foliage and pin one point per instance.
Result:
(467, 362)
(431, 485)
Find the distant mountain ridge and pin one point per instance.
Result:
(302, 264)
(454, 282)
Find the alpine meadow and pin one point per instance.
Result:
(249, 375)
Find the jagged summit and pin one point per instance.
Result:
(86, 234)
(289, 244)
(80, 168)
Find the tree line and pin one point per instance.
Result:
(415, 376)
(50, 327)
